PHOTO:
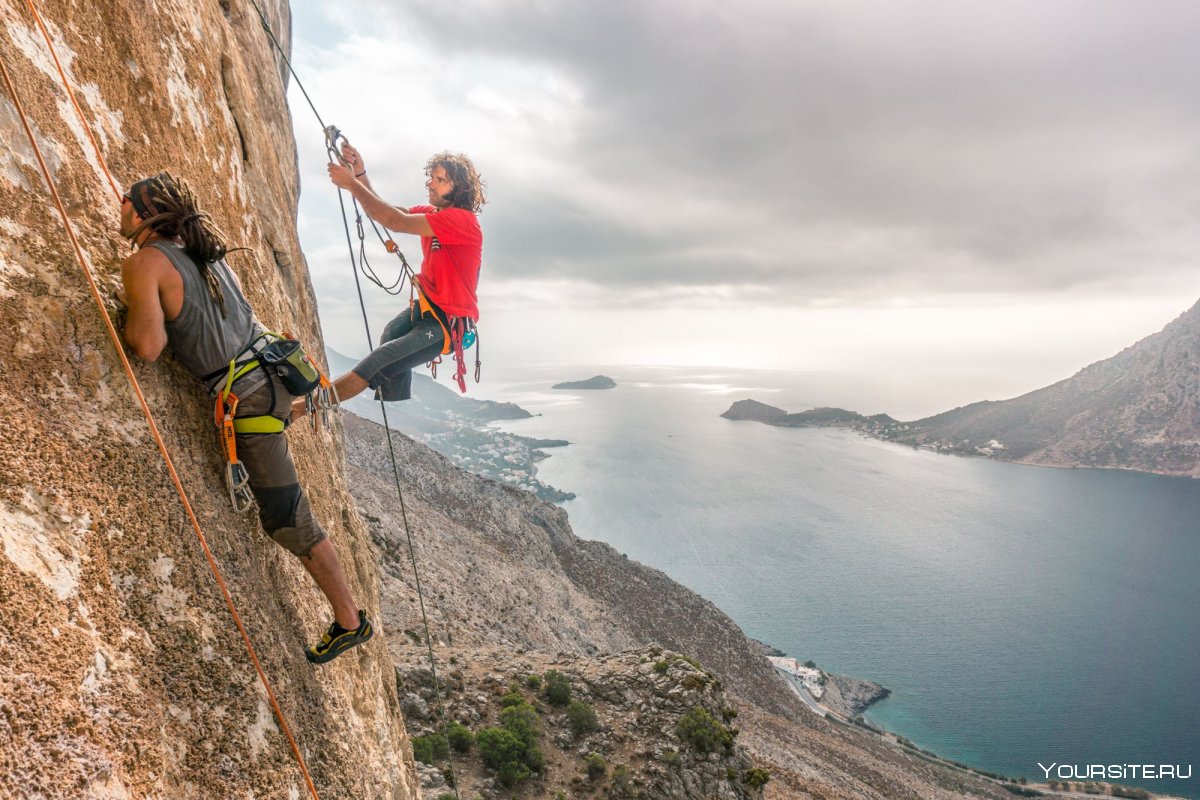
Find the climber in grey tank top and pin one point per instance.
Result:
(179, 271)
(203, 341)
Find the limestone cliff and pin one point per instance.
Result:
(121, 673)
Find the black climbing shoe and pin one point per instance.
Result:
(338, 640)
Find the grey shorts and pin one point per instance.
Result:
(408, 341)
(283, 506)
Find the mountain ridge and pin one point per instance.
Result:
(1136, 410)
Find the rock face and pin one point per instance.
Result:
(595, 382)
(851, 696)
(121, 672)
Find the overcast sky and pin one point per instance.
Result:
(1012, 185)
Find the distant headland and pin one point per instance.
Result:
(596, 382)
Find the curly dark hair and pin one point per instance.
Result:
(468, 190)
(168, 207)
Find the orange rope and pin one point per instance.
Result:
(162, 447)
(86, 128)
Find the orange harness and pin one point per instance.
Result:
(459, 336)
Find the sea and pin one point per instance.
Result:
(1024, 618)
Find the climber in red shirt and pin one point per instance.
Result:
(452, 244)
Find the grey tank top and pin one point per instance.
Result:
(202, 340)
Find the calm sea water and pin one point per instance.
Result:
(1019, 614)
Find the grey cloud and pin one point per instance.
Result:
(1017, 146)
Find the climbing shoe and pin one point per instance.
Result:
(338, 640)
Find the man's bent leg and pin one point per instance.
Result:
(322, 563)
(283, 506)
(388, 368)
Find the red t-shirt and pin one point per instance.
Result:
(450, 270)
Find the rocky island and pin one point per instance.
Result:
(1139, 410)
(595, 382)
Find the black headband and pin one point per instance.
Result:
(139, 194)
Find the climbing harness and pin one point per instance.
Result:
(137, 389)
(459, 333)
(277, 355)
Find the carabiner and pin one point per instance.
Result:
(237, 481)
(332, 134)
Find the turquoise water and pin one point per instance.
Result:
(1019, 614)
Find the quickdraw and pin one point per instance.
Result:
(237, 479)
(332, 136)
(320, 403)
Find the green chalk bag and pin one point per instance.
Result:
(293, 366)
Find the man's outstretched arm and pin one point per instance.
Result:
(384, 213)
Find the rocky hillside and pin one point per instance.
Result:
(121, 672)
(511, 592)
(641, 723)
(1139, 410)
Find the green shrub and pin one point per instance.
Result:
(534, 759)
(581, 718)
(620, 779)
(661, 667)
(523, 722)
(534, 682)
(596, 766)
(460, 737)
(503, 751)
(509, 774)
(756, 778)
(671, 758)
(428, 749)
(698, 728)
(512, 699)
(558, 688)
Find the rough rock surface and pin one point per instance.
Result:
(121, 673)
(509, 589)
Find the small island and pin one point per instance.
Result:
(596, 382)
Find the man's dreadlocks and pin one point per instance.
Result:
(167, 206)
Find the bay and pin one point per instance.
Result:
(1020, 615)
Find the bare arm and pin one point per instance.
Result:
(145, 330)
(384, 213)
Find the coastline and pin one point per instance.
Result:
(870, 429)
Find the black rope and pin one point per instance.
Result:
(441, 708)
